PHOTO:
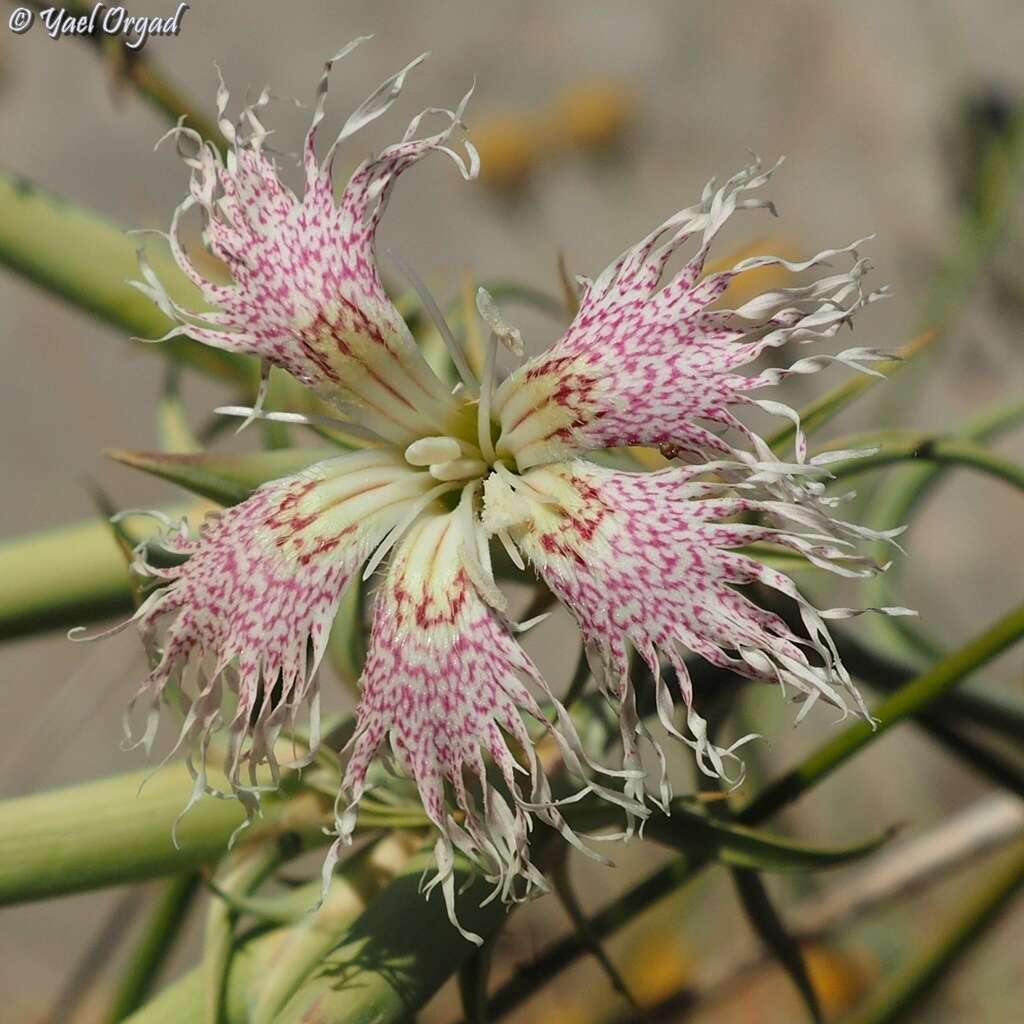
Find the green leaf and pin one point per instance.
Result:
(88, 260)
(702, 837)
(224, 478)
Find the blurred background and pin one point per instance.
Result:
(594, 121)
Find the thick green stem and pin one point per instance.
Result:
(88, 260)
(103, 833)
(67, 576)
(379, 968)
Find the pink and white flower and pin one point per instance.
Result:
(651, 562)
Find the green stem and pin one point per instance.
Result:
(379, 969)
(88, 260)
(829, 405)
(239, 873)
(909, 699)
(66, 576)
(949, 451)
(931, 965)
(1000, 712)
(163, 929)
(896, 503)
(136, 69)
(102, 833)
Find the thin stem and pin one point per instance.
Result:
(823, 409)
(911, 698)
(932, 964)
(168, 918)
(998, 712)
(133, 67)
(942, 450)
(907, 701)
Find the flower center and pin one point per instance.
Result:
(447, 458)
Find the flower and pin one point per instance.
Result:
(646, 561)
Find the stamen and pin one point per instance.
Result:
(458, 469)
(510, 337)
(519, 484)
(261, 396)
(483, 417)
(511, 550)
(311, 420)
(434, 311)
(428, 450)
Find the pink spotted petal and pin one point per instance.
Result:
(250, 609)
(652, 363)
(305, 293)
(646, 562)
(444, 692)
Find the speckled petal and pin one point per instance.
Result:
(647, 363)
(444, 691)
(251, 606)
(645, 561)
(305, 292)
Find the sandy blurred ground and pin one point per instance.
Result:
(863, 100)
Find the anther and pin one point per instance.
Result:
(458, 469)
(428, 450)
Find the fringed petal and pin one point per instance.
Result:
(251, 607)
(645, 562)
(305, 291)
(646, 363)
(444, 691)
